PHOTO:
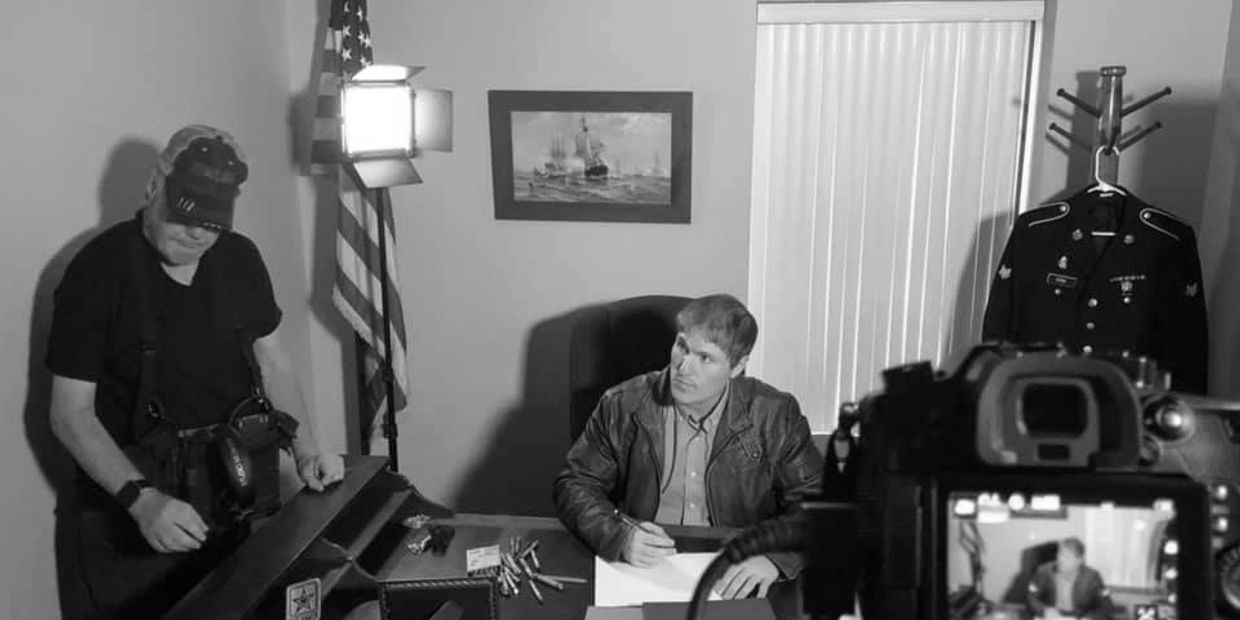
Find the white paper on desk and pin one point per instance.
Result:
(672, 580)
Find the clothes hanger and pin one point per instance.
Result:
(1103, 187)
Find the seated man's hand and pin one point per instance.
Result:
(647, 545)
(741, 579)
(168, 524)
(320, 470)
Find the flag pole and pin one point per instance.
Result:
(383, 206)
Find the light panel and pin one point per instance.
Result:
(377, 119)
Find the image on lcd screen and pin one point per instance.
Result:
(1015, 556)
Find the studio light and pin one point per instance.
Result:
(385, 121)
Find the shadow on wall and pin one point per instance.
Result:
(515, 471)
(1224, 297)
(301, 115)
(120, 195)
(969, 307)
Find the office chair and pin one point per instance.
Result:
(616, 341)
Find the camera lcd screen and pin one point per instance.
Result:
(1021, 556)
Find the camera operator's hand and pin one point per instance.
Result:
(320, 470)
(168, 524)
(647, 545)
(741, 579)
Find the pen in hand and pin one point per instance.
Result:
(647, 544)
(629, 521)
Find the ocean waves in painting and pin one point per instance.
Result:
(624, 189)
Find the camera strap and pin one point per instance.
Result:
(146, 409)
(245, 441)
(151, 317)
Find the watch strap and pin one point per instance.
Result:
(128, 493)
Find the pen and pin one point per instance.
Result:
(630, 521)
(562, 579)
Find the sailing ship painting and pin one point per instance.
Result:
(616, 157)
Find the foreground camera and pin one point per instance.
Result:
(1025, 483)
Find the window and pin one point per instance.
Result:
(890, 147)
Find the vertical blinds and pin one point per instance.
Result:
(887, 166)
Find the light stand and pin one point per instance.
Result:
(385, 122)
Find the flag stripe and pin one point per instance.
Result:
(356, 297)
(326, 107)
(325, 151)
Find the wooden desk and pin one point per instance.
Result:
(561, 554)
(351, 539)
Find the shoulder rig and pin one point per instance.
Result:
(1046, 213)
(1164, 223)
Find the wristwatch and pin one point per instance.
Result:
(128, 493)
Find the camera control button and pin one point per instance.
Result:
(1220, 524)
(1220, 492)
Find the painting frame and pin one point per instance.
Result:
(502, 105)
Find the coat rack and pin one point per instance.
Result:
(1109, 138)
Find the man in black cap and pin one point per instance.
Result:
(165, 329)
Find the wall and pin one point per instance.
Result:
(92, 90)
(1220, 231)
(1162, 44)
(488, 422)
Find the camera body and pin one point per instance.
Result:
(966, 485)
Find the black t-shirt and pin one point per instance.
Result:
(200, 371)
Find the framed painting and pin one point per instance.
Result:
(591, 156)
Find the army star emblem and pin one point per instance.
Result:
(302, 600)
(1005, 272)
(1191, 290)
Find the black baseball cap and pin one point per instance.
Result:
(204, 170)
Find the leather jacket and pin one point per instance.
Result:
(762, 462)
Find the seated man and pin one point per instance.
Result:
(1068, 588)
(696, 443)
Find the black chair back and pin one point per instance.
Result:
(613, 342)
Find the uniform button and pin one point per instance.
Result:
(693, 474)
(1058, 292)
(1220, 524)
(1090, 325)
(1087, 349)
(1093, 302)
(1127, 300)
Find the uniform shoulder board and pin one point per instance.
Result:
(1165, 223)
(1046, 213)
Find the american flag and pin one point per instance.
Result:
(357, 291)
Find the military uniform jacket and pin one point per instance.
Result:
(1140, 294)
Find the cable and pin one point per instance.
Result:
(789, 534)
